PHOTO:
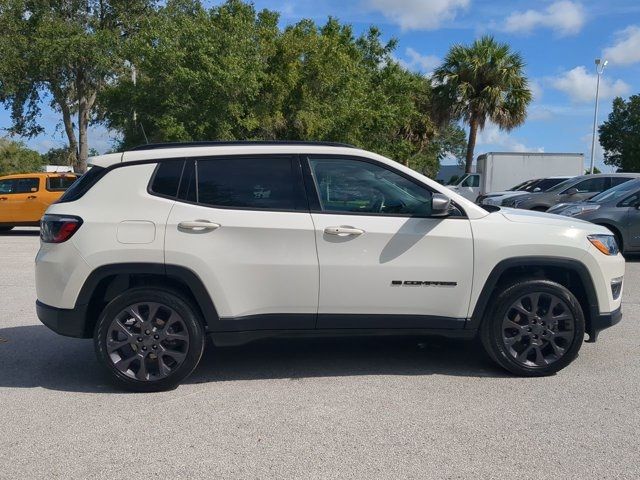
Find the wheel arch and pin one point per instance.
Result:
(108, 281)
(570, 273)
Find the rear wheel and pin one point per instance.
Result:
(149, 339)
(535, 328)
(5, 229)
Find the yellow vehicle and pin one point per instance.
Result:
(24, 197)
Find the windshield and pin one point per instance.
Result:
(616, 192)
(562, 185)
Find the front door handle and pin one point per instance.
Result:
(343, 231)
(198, 225)
(31, 197)
(3, 198)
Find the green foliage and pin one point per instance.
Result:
(62, 53)
(16, 158)
(480, 82)
(58, 156)
(231, 73)
(620, 135)
(595, 170)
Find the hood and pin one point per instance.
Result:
(543, 218)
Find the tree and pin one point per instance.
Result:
(16, 158)
(64, 53)
(231, 73)
(620, 135)
(480, 82)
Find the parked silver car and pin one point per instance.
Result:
(576, 189)
(618, 209)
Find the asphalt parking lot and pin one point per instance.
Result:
(372, 408)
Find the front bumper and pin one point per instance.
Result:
(67, 322)
(602, 321)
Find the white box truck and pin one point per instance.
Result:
(499, 171)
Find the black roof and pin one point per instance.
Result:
(224, 143)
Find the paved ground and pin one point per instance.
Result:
(313, 409)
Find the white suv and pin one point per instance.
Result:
(155, 248)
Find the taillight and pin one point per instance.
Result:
(58, 228)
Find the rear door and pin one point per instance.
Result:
(384, 263)
(242, 225)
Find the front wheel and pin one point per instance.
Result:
(149, 339)
(535, 328)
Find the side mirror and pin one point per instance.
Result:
(440, 205)
(571, 191)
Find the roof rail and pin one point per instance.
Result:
(223, 143)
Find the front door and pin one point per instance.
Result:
(384, 263)
(25, 206)
(242, 225)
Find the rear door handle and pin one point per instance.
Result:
(3, 198)
(198, 225)
(343, 231)
(31, 197)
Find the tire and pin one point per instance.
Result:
(5, 229)
(149, 339)
(532, 341)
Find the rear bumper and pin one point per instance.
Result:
(602, 321)
(67, 322)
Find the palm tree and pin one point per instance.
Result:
(478, 82)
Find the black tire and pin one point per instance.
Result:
(181, 341)
(507, 345)
(5, 229)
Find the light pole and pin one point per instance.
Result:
(599, 70)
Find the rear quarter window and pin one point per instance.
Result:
(166, 179)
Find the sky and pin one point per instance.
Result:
(559, 41)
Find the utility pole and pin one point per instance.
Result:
(599, 70)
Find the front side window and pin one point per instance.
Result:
(354, 186)
(472, 181)
(591, 185)
(6, 186)
(632, 201)
(26, 185)
(264, 183)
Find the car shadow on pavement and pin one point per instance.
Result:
(33, 356)
(33, 232)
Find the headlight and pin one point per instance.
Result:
(605, 243)
(575, 210)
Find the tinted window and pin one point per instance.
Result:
(60, 184)
(6, 186)
(547, 183)
(346, 185)
(616, 193)
(591, 185)
(264, 183)
(26, 185)
(83, 184)
(187, 189)
(632, 201)
(619, 180)
(167, 178)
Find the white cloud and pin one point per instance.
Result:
(627, 50)
(417, 61)
(419, 14)
(536, 89)
(564, 17)
(494, 137)
(580, 85)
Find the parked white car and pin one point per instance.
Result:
(155, 248)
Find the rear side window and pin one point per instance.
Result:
(83, 184)
(619, 180)
(60, 184)
(255, 183)
(167, 178)
(26, 185)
